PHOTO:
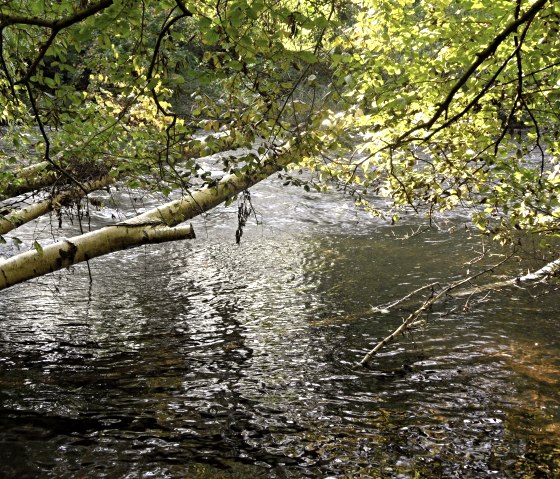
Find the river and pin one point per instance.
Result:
(205, 359)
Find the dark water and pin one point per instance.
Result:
(205, 359)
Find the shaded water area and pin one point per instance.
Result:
(204, 359)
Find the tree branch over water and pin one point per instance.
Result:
(128, 87)
(154, 226)
(547, 271)
(17, 218)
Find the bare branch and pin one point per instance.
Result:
(414, 317)
(47, 142)
(549, 270)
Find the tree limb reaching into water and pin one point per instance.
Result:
(547, 271)
(363, 89)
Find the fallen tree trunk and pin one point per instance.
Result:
(43, 174)
(198, 202)
(153, 226)
(28, 179)
(67, 252)
(547, 271)
(542, 274)
(24, 215)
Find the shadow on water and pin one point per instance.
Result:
(206, 359)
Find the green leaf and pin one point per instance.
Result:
(38, 247)
(236, 18)
(36, 7)
(177, 79)
(204, 23)
(49, 82)
(235, 65)
(210, 37)
(308, 57)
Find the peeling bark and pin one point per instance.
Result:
(67, 252)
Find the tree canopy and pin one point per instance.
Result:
(456, 104)
(430, 105)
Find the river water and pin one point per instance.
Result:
(205, 359)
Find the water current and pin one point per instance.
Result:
(205, 359)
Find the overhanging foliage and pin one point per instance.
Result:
(433, 105)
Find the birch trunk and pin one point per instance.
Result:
(30, 178)
(67, 252)
(198, 202)
(19, 217)
(43, 175)
(153, 226)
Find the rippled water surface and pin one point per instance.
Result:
(204, 359)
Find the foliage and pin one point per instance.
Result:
(434, 105)
(454, 104)
(101, 87)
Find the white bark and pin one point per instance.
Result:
(19, 217)
(30, 178)
(198, 202)
(44, 174)
(67, 252)
(544, 273)
(154, 226)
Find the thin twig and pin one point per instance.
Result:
(387, 306)
(413, 317)
(47, 141)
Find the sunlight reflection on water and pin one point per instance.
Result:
(207, 359)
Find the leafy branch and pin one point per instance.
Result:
(54, 25)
